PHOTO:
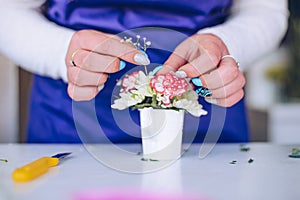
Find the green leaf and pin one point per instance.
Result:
(295, 153)
(144, 159)
(244, 148)
(3, 160)
(154, 101)
(185, 150)
(294, 156)
(154, 160)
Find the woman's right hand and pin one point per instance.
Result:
(91, 56)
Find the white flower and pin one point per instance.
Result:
(143, 90)
(191, 95)
(127, 100)
(193, 107)
(142, 79)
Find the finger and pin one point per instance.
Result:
(224, 74)
(109, 45)
(230, 88)
(80, 77)
(229, 101)
(79, 93)
(95, 62)
(202, 64)
(164, 70)
(174, 61)
(179, 56)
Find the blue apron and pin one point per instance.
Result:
(55, 118)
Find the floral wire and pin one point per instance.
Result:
(138, 45)
(146, 70)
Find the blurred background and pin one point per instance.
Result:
(273, 88)
(272, 92)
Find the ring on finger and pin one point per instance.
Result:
(230, 56)
(72, 62)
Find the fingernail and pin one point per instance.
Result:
(100, 87)
(141, 59)
(122, 64)
(143, 52)
(203, 92)
(211, 100)
(197, 81)
(180, 74)
(156, 69)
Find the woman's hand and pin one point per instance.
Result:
(91, 56)
(204, 56)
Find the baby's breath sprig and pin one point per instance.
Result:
(139, 43)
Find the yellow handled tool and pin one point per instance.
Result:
(36, 168)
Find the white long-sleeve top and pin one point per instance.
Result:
(254, 28)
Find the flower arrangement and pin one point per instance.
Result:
(163, 91)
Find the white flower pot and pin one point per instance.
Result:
(161, 133)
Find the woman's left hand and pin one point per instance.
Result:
(204, 56)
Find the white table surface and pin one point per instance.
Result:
(272, 175)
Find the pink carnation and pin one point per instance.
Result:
(169, 86)
(129, 81)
